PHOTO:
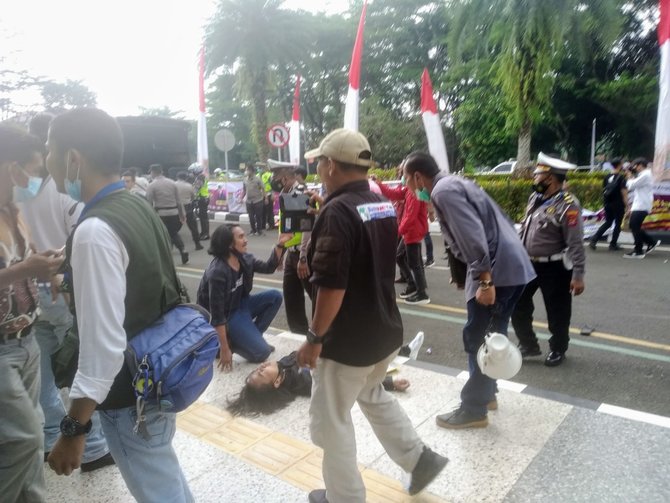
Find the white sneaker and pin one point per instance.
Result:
(651, 248)
(415, 345)
(634, 255)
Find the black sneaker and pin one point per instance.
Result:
(198, 246)
(401, 280)
(554, 359)
(204, 237)
(318, 496)
(429, 263)
(527, 351)
(430, 464)
(460, 419)
(418, 298)
(408, 292)
(592, 245)
(91, 466)
(184, 258)
(634, 255)
(651, 248)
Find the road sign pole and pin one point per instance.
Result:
(226, 160)
(279, 154)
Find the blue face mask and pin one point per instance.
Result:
(422, 195)
(23, 194)
(73, 189)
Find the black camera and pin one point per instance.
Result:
(294, 214)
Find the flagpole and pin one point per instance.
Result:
(203, 154)
(593, 144)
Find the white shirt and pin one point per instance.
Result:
(642, 187)
(50, 216)
(99, 262)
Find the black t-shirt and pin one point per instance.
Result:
(613, 184)
(353, 248)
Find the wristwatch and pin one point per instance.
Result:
(485, 284)
(70, 427)
(302, 260)
(312, 338)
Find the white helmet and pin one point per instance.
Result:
(195, 168)
(498, 358)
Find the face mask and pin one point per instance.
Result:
(23, 194)
(422, 195)
(73, 188)
(540, 187)
(277, 185)
(403, 182)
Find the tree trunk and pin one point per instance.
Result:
(260, 117)
(523, 149)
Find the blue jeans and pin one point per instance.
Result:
(479, 389)
(21, 454)
(51, 326)
(248, 322)
(150, 467)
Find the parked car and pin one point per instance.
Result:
(504, 168)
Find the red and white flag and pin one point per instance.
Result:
(662, 150)
(431, 123)
(351, 106)
(294, 127)
(203, 154)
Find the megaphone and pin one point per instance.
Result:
(498, 358)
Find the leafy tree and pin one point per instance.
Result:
(163, 111)
(527, 39)
(61, 96)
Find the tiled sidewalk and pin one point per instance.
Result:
(533, 450)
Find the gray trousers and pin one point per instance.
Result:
(335, 389)
(21, 436)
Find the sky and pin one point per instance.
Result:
(130, 53)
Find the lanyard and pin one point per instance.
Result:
(102, 193)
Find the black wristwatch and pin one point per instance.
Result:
(312, 338)
(485, 284)
(302, 260)
(70, 427)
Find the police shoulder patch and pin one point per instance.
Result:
(567, 197)
(375, 211)
(572, 217)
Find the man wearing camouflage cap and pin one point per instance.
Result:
(553, 235)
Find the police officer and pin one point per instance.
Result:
(268, 201)
(553, 235)
(296, 271)
(201, 202)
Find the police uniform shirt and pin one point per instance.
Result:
(553, 225)
(353, 248)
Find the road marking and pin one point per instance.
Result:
(457, 310)
(635, 415)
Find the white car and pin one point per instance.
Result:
(504, 168)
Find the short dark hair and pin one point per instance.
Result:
(616, 162)
(39, 125)
(156, 168)
(422, 163)
(221, 241)
(17, 145)
(640, 160)
(129, 173)
(182, 175)
(301, 172)
(92, 132)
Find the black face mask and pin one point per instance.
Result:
(277, 185)
(540, 187)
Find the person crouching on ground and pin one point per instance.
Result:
(239, 317)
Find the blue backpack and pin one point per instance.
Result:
(172, 360)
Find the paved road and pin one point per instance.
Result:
(625, 362)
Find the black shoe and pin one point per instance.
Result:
(318, 496)
(46, 455)
(554, 359)
(615, 248)
(204, 237)
(429, 263)
(91, 466)
(429, 466)
(260, 233)
(198, 246)
(407, 292)
(184, 258)
(527, 351)
(418, 298)
(401, 280)
(634, 255)
(651, 248)
(460, 419)
(592, 245)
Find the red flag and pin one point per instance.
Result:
(431, 123)
(351, 106)
(294, 127)
(664, 24)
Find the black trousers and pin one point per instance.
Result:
(553, 280)
(203, 215)
(294, 294)
(412, 266)
(268, 212)
(613, 215)
(173, 224)
(191, 222)
(640, 236)
(255, 212)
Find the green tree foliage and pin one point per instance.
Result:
(163, 111)
(61, 96)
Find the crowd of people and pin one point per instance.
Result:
(86, 249)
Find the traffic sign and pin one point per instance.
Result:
(224, 139)
(278, 135)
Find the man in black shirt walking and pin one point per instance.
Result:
(356, 327)
(615, 197)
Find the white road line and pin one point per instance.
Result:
(635, 415)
